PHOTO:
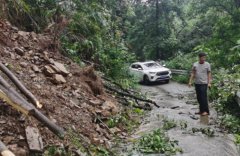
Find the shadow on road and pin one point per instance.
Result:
(154, 83)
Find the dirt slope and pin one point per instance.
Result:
(71, 96)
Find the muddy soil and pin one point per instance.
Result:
(178, 102)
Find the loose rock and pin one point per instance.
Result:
(36, 69)
(19, 51)
(58, 79)
(61, 68)
(24, 64)
(48, 71)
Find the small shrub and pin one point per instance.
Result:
(181, 78)
(169, 124)
(231, 123)
(237, 139)
(157, 142)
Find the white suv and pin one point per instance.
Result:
(150, 71)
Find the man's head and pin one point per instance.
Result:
(202, 57)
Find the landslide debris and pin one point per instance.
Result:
(71, 96)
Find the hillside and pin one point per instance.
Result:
(72, 97)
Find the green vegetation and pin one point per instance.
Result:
(74, 141)
(126, 121)
(223, 92)
(100, 151)
(231, 123)
(56, 151)
(168, 124)
(207, 131)
(157, 142)
(237, 139)
(112, 34)
(183, 124)
(181, 78)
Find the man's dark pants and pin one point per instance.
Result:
(201, 91)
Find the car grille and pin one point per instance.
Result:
(162, 73)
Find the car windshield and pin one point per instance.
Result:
(152, 65)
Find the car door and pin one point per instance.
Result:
(135, 71)
(139, 72)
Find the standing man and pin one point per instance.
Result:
(201, 73)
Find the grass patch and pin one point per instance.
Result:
(207, 131)
(183, 124)
(231, 123)
(169, 124)
(127, 121)
(237, 139)
(157, 142)
(181, 78)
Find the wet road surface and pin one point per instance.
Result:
(178, 102)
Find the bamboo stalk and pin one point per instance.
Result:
(6, 85)
(13, 98)
(51, 125)
(20, 86)
(4, 151)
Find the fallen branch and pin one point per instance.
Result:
(14, 99)
(20, 86)
(135, 106)
(7, 86)
(51, 125)
(4, 150)
(143, 107)
(11, 100)
(98, 118)
(23, 106)
(117, 84)
(131, 96)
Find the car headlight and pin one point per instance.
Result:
(152, 73)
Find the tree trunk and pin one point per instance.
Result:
(157, 29)
(3, 9)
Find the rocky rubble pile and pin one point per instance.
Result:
(71, 96)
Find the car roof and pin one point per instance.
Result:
(144, 62)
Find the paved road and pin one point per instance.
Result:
(182, 99)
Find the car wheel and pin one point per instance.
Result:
(167, 81)
(146, 80)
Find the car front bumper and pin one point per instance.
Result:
(154, 78)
